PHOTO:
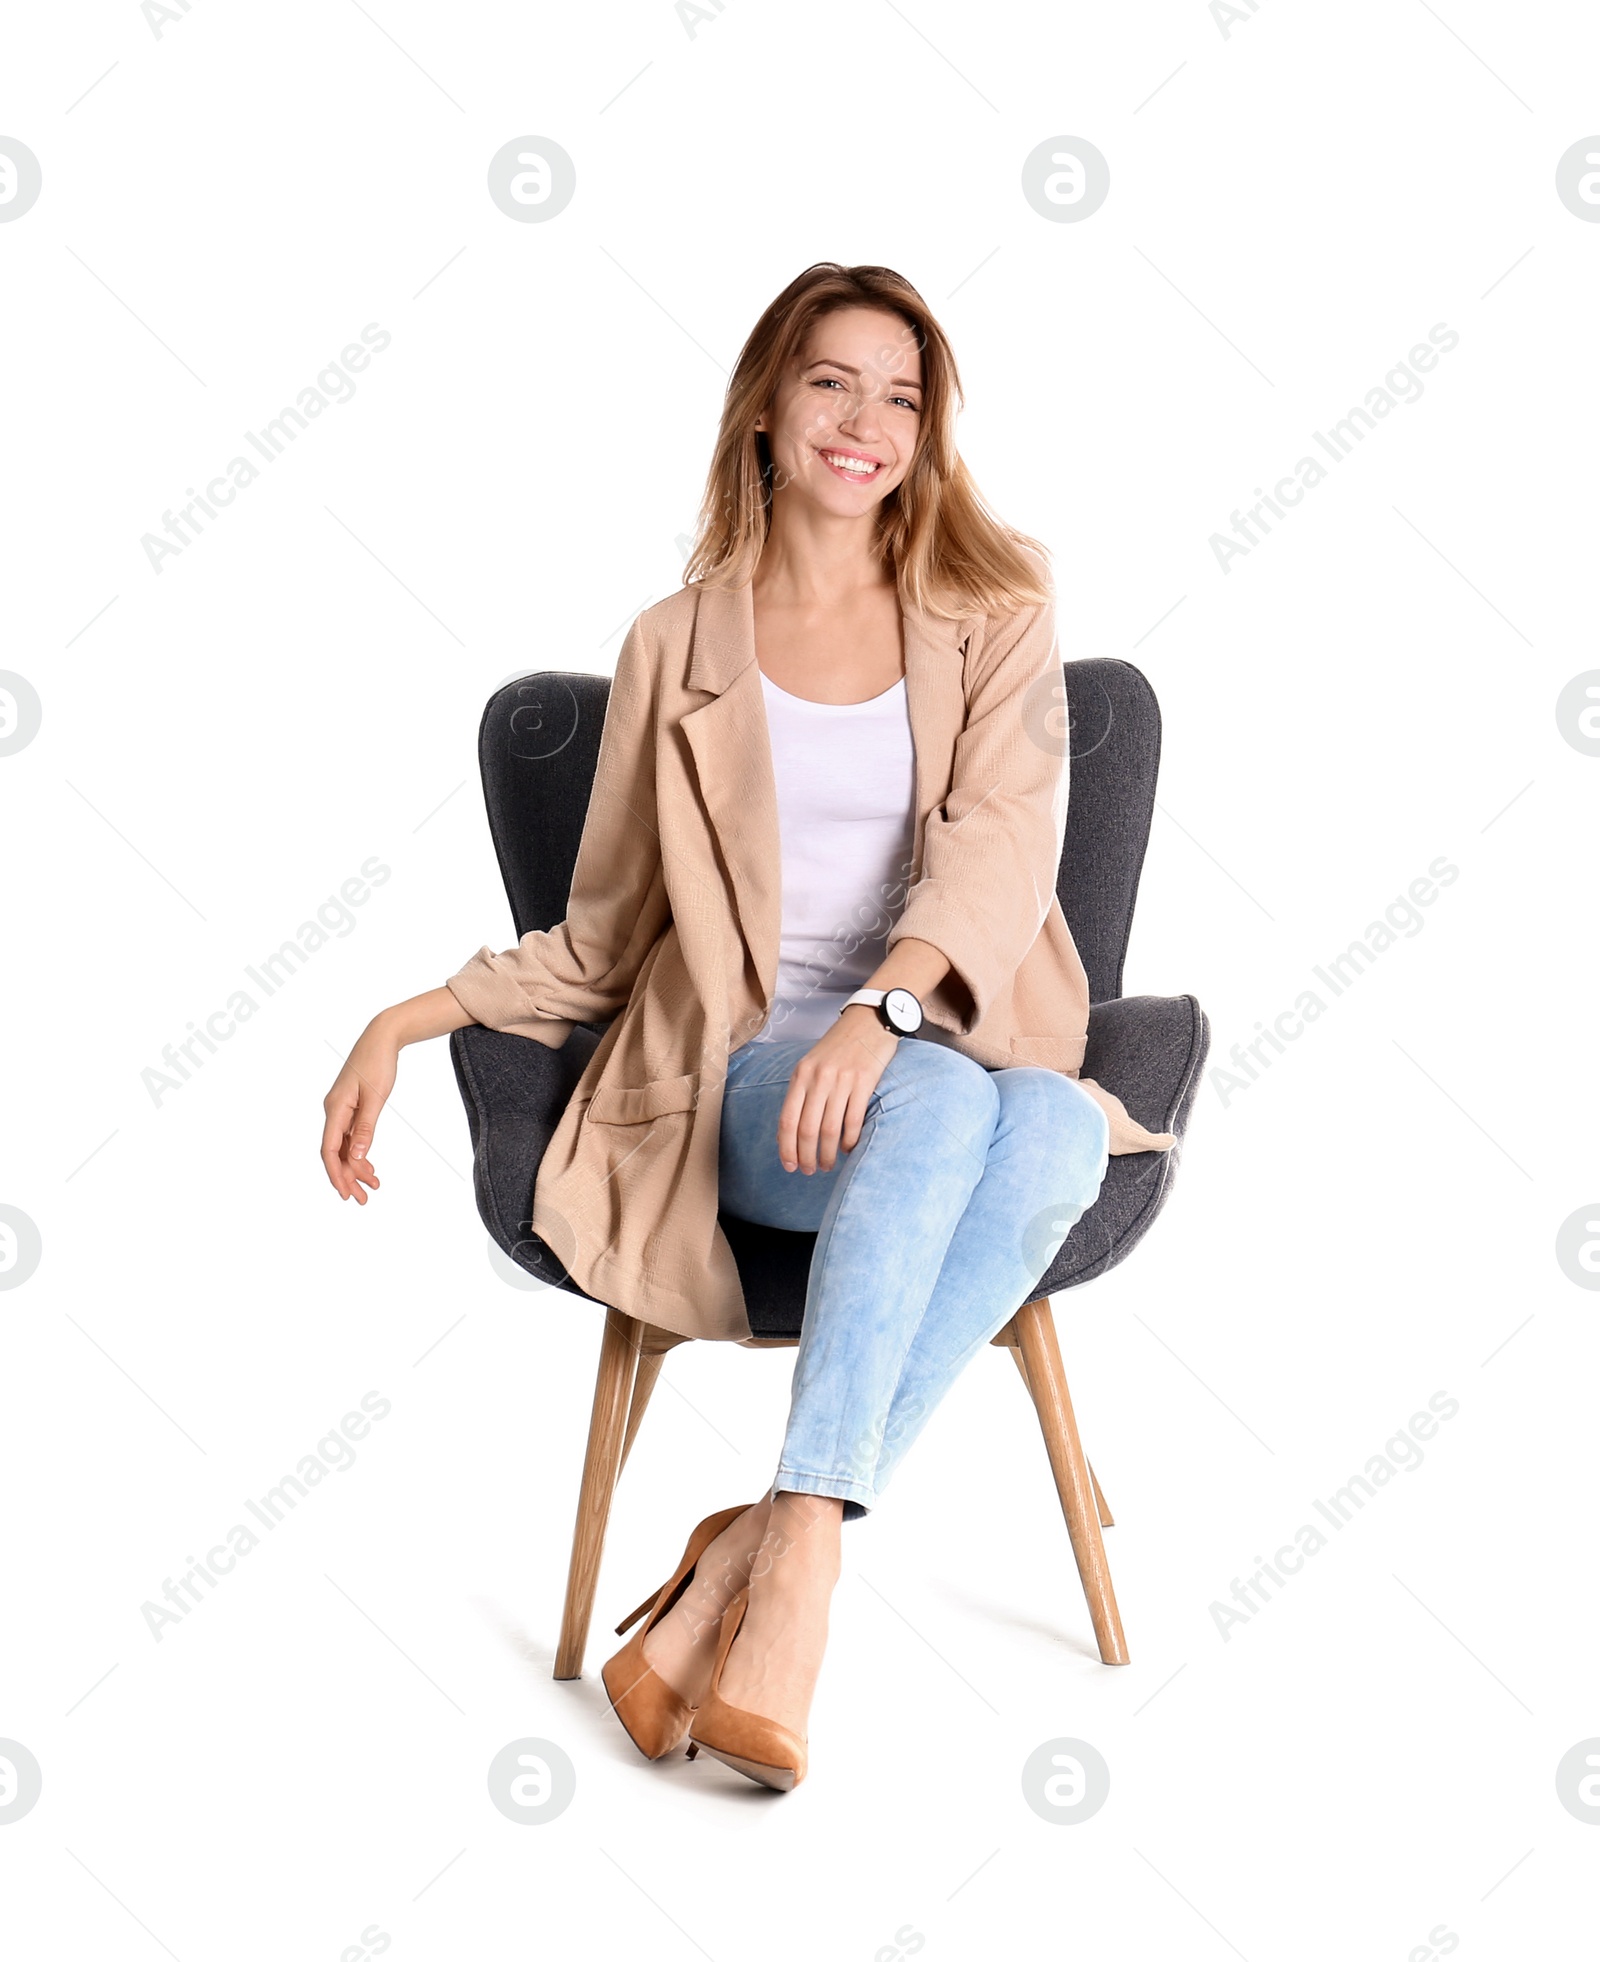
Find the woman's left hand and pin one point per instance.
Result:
(829, 1089)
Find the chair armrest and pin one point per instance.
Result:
(515, 1090)
(1150, 1051)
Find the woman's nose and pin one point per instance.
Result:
(861, 415)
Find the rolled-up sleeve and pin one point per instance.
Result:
(584, 969)
(992, 852)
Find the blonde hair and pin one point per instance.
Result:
(949, 553)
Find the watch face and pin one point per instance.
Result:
(904, 1010)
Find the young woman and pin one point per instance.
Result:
(821, 908)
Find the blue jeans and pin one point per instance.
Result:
(931, 1234)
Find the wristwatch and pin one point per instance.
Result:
(898, 1008)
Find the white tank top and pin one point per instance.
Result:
(846, 782)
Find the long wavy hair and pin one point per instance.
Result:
(948, 552)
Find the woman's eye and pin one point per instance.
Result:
(833, 381)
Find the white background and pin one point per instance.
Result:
(1364, 1769)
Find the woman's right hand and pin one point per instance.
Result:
(359, 1092)
(362, 1087)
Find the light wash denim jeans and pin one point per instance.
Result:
(930, 1235)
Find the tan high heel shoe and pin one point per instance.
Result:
(649, 1709)
(750, 1743)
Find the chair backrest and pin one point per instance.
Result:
(539, 742)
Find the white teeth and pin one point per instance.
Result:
(854, 464)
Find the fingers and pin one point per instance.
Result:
(352, 1113)
(827, 1101)
(810, 1124)
(358, 1166)
(788, 1124)
(810, 1116)
(832, 1121)
(855, 1116)
(359, 1143)
(351, 1169)
(340, 1109)
(361, 1170)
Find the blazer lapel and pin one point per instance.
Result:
(732, 755)
(936, 701)
(733, 762)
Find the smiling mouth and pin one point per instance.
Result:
(858, 469)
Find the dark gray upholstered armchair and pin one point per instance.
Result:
(537, 748)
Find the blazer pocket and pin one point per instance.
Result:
(616, 1103)
(1051, 1052)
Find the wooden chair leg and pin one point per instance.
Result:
(643, 1383)
(653, 1345)
(614, 1379)
(1047, 1379)
(1100, 1505)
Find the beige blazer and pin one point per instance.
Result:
(673, 924)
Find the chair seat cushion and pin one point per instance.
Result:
(1149, 1049)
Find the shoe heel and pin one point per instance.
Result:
(649, 1709)
(643, 1608)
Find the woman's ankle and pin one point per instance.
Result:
(805, 1515)
(802, 1537)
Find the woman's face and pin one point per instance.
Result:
(844, 426)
